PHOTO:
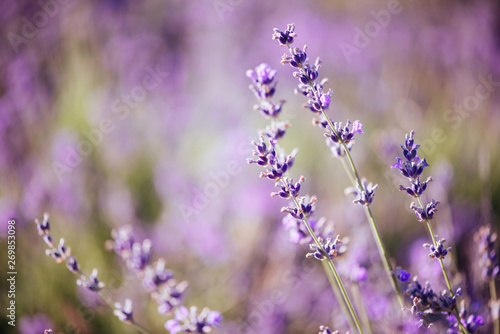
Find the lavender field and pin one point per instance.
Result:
(193, 167)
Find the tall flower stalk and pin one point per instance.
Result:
(156, 279)
(62, 254)
(271, 156)
(412, 167)
(340, 137)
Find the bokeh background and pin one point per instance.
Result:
(91, 136)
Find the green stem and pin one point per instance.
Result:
(140, 327)
(338, 295)
(443, 269)
(493, 295)
(103, 295)
(361, 305)
(340, 285)
(334, 271)
(373, 226)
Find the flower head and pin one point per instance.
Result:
(365, 195)
(285, 38)
(426, 214)
(342, 134)
(44, 226)
(124, 312)
(92, 283)
(438, 251)
(329, 249)
(190, 321)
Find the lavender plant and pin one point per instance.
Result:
(340, 138)
(486, 240)
(271, 156)
(412, 167)
(156, 279)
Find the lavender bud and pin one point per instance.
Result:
(190, 321)
(363, 196)
(124, 313)
(72, 264)
(92, 283)
(285, 38)
(438, 251)
(141, 255)
(43, 227)
(329, 249)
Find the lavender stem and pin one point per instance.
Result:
(443, 269)
(371, 219)
(493, 297)
(338, 295)
(361, 306)
(333, 269)
(101, 293)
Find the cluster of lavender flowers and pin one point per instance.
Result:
(489, 259)
(427, 306)
(160, 282)
(303, 228)
(269, 155)
(340, 138)
(156, 279)
(312, 88)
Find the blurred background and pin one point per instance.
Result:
(139, 113)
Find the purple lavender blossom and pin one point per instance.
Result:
(342, 134)
(140, 256)
(426, 302)
(190, 321)
(325, 330)
(329, 249)
(92, 283)
(124, 312)
(363, 196)
(298, 233)
(170, 296)
(305, 209)
(412, 167)
(34, 324)
(438, 251)
(487, 248)
(470, 322)
(289, 188)
(264, 151)
(416, 188)
(285, 38)
(426, 214)
(264, 88)
(156, 276)
(402, 274)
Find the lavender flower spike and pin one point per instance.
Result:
(487, 249)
